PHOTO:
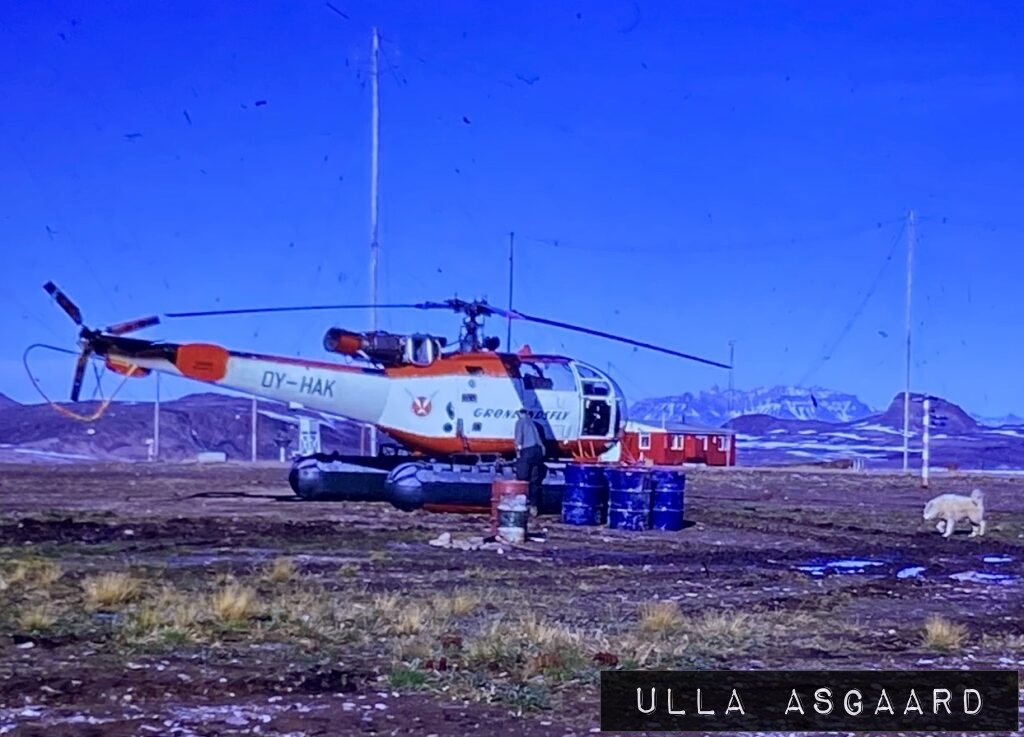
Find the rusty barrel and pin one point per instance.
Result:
(505, 507)
(585, 498)
(668, 492)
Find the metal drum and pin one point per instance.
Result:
(510, 509)
(629, 499)
(585, 498)
(502, 489)
(668, 491)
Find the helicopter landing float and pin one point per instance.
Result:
(452, 412)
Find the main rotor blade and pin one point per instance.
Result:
(304, 308)
(76, 385)
(64, 301)
(610, 336)
(131, 326)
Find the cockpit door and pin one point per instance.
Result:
(597, 399)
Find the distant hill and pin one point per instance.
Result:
(1010, 419)
(956, 439)
(955, 420)
(717, 406)
(6, 402)
(188, 426)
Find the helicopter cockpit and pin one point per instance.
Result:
(604, 406)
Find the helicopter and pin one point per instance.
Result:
(451, 409)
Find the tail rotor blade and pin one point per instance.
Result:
(64, 301)
(131, 326)
(76, 385)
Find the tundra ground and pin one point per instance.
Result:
(201, 600)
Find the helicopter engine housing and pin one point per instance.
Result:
(385, 348)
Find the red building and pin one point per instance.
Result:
(673, 445)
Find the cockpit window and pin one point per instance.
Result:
(547, 375)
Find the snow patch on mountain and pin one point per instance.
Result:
(717, 406)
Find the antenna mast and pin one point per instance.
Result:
(511, 264)
(374, 175)
(906, 391)
(732, 346)
(252, 437)
(156, 420)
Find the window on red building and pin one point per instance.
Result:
(644, 441)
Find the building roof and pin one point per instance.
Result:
(676, 428)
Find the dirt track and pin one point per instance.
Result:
(328, 650)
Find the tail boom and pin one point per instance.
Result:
(354, 392)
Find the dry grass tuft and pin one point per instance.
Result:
(528, 646)
(941, 634)
(458, 604)
(234, 603)
(281, 570)
(35, 571)
(148, 619)
(111, 589)
(660, 616)
(721, 626)
(39, 617)
(185, 615)
(463, 603)
(386, 605)
(410, 620)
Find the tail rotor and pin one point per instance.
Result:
(89, 338)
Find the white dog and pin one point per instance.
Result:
(951, 508)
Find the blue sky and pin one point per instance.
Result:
(683, 173)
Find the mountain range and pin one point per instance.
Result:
(716, 406)
(190, 425)
(781, 425)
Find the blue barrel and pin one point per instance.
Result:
(668, 492)
(629, 499)
(585, 498)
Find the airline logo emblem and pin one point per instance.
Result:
(421, 406)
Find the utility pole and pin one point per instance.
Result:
(511, 273)
(925, 454)
(906, 391)
(732, 345)
(156, 420)
(253, 430)
(374, 176)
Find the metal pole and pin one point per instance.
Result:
(374, 174)
(906, 392)
(156, 420)
(732, 344)
(511, 272)
(925, 455)
(253, 429)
